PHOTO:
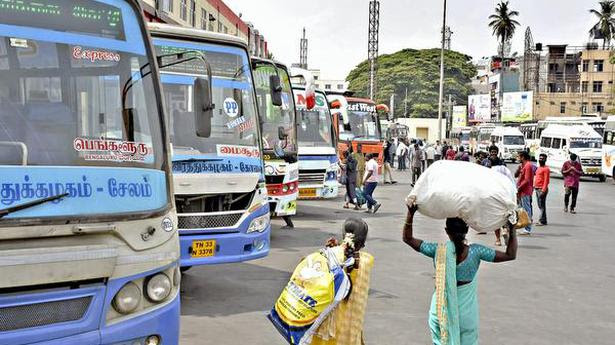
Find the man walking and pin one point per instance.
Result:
(370, 182)
(401, 155)
(525, 185)
(430, 152)
(416, 163)
(541, 187)
(572, 171)
(388, 161)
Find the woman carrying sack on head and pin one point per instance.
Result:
(453, 316)
(345, 325)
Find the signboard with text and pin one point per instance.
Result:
(517, 106)
(479, 108)
(460, 118)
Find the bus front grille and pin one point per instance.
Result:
(42, 314)
(312, 177)
(197, 222)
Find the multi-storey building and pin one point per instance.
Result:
(210, 15)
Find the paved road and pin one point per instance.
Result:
(559, 291)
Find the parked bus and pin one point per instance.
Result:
(481, 137)
(220, 192)
(608, 148)
(358, 125)
(397, 130)
(460, 136)
(510, 142)
(88, 229)
(318, 161)
(279, 127)
(558, 142)
(532, 140)
(594, 122)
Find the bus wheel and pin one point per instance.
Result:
(184, 268)
(602, 178)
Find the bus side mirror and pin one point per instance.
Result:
(203, 107)
(335, 104)
(276, 90)
(282, 133)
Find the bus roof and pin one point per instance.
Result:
(507, 131)
(183, 33)
(575, 131)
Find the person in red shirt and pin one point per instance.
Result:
(572, 171)
(451, 153)
(541, 187)
(525, 187)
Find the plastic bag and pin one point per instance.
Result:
(483, 198)
(316, 287)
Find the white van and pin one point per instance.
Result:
(510, 141)
(559, 141)
(608, 148)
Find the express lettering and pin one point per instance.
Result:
(94, 55)
(363, 107)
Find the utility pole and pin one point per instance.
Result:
(303, 51)
(372, 45)
(449, 118)
(406, 103)
(441, 74)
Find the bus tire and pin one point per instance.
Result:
(184, 268)
(602, 178)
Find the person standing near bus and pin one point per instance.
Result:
(525, 187)
(541, 187)
(401, 151)
(572, 172)
(370, 182)
(430, 152)
(451, 153)
(388, 162)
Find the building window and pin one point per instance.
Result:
(203, 19)
(584, 86)
(562, 108)
(598, 65)
(597, 107)
(225, 29)
(327, 86)
(193, 13)
(552, 67)
(315, 77)
(584, 107)
(597, 87)
(220, 27)
(167, 6)
(183, 10)
(340, 86)
(585, 65)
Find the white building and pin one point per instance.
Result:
(322, 83)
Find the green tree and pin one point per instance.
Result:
(605, 28)
(418, 71)
(503, 24)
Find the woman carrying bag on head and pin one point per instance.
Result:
(453, 316)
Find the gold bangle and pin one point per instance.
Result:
(408, 223)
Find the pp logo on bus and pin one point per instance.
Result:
(231, 108)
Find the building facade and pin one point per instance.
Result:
(335, 85)
(209, 15)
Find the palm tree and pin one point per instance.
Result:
(503, 24)
(605, 28)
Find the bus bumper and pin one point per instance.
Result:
(231, 246)
(327, 191)
(283, 205)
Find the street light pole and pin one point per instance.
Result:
(441, 74)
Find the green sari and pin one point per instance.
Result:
(453, 317)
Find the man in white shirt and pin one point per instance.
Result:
(370, 182)
(401, 151)
(431, 155)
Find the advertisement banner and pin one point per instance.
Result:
(517, 106)
(479, 108)
(460, 116)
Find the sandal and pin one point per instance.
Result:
(498, 243)
(346, 206)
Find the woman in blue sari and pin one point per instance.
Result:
(453, 316)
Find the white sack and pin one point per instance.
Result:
(482, 197)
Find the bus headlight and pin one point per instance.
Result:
(158, 287)
(259, 224)
(127, 299)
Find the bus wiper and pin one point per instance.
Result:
(30, 204)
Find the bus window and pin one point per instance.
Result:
(546, 142)
(557, 143)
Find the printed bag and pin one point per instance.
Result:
(316, 287)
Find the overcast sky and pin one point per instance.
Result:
(337, 29)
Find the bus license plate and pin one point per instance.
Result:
(203, 249)
(593, 170)
(307, 192)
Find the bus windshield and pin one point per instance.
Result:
(363, 125)
(514, 140)
(234, 123)
(69, 83)
(314, 126)
(464, 137)
(585, 143)
(275, 117)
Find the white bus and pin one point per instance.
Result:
(608, 148)
(460, 136)
(510, 142)
(532, 139)
(481, 137)
(558, 142)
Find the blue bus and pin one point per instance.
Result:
(89, 249)
(219, 184)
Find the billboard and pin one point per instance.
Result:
(460, 116)
(518, 106)
(479, 108)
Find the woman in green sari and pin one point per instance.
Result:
(453, 316)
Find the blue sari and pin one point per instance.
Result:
(453, 317)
